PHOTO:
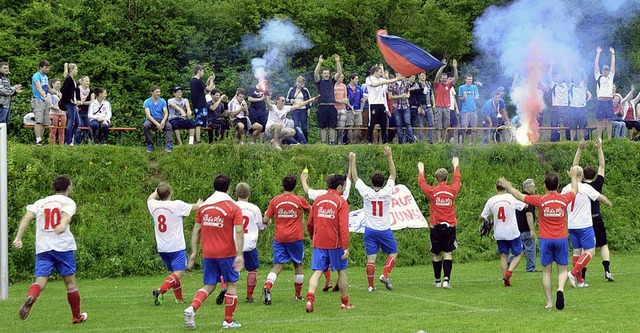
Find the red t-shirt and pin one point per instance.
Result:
(287, 209)
(441, 199)
(328, 222)
(218, 228)
(443, 94)
(552, 213)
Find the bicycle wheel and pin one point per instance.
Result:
(503, 134)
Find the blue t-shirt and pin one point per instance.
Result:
(471, 92)
(491, 110)
(44, 82)
(156, 110)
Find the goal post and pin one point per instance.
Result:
(4, 223)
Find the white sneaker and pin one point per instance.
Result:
(609, 276)
(386, 282)
(189, 318)
(371, 289)
(446, 284)
(583, 284)
(232, 324)
(572, 279)
(438, 284)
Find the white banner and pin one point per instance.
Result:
(404, 213)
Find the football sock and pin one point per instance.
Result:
(177, 289)
(437, 270)
(580, 264)
(371, 271)
(252, 280)
(191, 140)
(223, 284)
(344, 299)
(574, 261)
(168, 283)
(198, 299)
(298, 280)
(508, 273)
(271, 280)
(605, 264)
(73, 296)
(447, 265)
(388, 266)
(34, 291)
(327, 276)
(311, 297)
(230, 304)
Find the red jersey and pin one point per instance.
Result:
(443, 94)
(441, 199)
(552, 213)
(219, 215)
(287, 208)
(328, 222)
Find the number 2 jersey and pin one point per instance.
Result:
(167, 222)
(503, 208)
(251, 223)
(376, 205)
(48, 212)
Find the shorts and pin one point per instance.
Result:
(175, 261)
(453, 118)
(285, 252)
(212, 269)
(441, 117)
(321, 258)
(244, 121)
(40, 111)
(269, 131)
(376, 239)
(583, 238)
(599, 230)
(63, 262)
(327, 116)
(201, 116)
(468, 119)
(342, 118)
(251, 262)
(182, 123)
(554, 250)
(354, 118)
(579, 117)
(604, 110)
(515, 245)
(443, 238)
(259, 117)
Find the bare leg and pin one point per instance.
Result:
(546, 284)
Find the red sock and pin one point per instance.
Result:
(508, 274)
(344, 299)
(34, 291)
(327, 276)
(223, 284)
(198, 299)
(311, 297)
(388, 266)
(73, 296)
(268, 284)
(371, 271)
(168, 283)
(252, 280)
(580, 264)
(230, 304)
(177, 289)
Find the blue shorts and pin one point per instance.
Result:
(175, 261)
(63, 262)
(579, 117)
(181, 123)
(515, 245)
(554, 250)
(259, 117)
(604, 110)
(201, 116)
(251, 262)
(285, 252)
(321, 258)
(584, 238)
(375, 239)
(212, 269)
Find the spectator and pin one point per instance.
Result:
(100, 116)
(441, 87)
(297, 94)
(631, 117)
(70, 100)
(327, 113)
(454, 111)
(198, 91)
(156, 111)
(376, 87)
(258, 109)
(276, 123)
(468, 94)
(415, 93)
(239, 113)
(559, 104)
(604, 91)
(427, 101)
(356, 99)
(341, 105)
(85, 97)
(179, 114)
(6, 92)
(399, 93)
(526, 220)
(492, 115)
(41, 102)
(58, 117)
(579, 95)
(619, 106)
(216, 113)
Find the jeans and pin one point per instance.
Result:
(73, 121)
(529, 246)
(300, 119)
(84, 122)
(403, 120)
(4, 115)
(99, 131)
(420, 121)
(619, 129)
(148, 126)
(430, 123)
(300, 136)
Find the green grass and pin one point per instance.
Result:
(478, 302)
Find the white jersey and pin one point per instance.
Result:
(604, 86)
(313, 194)
(278, 116)
(251, 223)
(167, 221)
(48, 212)
(376, 205)
(580, 208)
(234, 106)
(376, 95)
(560, 94)
(578, 95)
(503, 208)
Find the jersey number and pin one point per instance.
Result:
(162, 223)
(501, 215)
(51, 218)
(376, 208)
(245, 224)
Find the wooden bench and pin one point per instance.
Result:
(118, 130)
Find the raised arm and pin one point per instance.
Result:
(392, 166)
(550, 73)
(305, 185)
(601, 161)
(211, 83)
(338, 67)
(627, 98)
(596, 65)
(353, 170)
(440, 70)
(581, 146)
(154, 195)
(316, 71)
(196, 205)
(301, 104)
(612, 68)
(455, 71)
(507, 185)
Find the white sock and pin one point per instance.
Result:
(38, 139)
(272, 277)
(191, 140)
(298, 278)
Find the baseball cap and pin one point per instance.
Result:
(177, 88)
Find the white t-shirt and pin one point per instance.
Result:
(252, 224)
(560, 94)
(604, 85)
(452, 99)
(313, 194)
(167, 221)
(234, 106)
(376, 205)
(503, 208)
(580, 209)
(278, 116)
(376, 95)
(175, 113)
(578, 96)
(48, 213)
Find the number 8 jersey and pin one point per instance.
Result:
(48, 212)
(503, 208)
(167, 221)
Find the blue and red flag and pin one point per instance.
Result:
(405, 57)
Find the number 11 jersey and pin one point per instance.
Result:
(376, 205)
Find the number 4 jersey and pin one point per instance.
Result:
(503, 208)
(48, 213)
(167, 221)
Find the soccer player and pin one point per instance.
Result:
(167, 219)
(581, 218)
(252, 224)
(377, 222)
(288, 243)
(218, 220)
(552, 212)
(54, 245)
(442, 220)
(328, 226)
(503, 207)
